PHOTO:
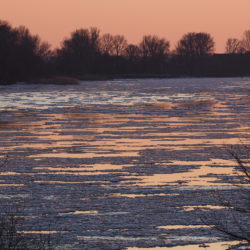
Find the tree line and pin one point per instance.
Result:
(24, 56)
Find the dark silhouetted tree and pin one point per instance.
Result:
(22, 55)
(246, 41)
(234, 46)
(192, 54)
(7, 48)
(132, 52)
(154, 51)
(119, 44)
(31, 52)
(107, 44)
(113, 45)
(78, 53)
(195, 44)
(153, 46)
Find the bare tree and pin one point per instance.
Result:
(113, 45)
(246, 40)
(94, 37)
(132, 52)
(106, 44)
(78, 53)
(153, 46)
(235, 220)
(234, 46)
(83, 40)
(30, 44)
(195, 44)
(120, 44)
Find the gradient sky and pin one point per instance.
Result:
(54, 20)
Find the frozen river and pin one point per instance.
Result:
(123, 164)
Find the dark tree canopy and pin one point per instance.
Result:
(132, 52)
(153, 46)
(107, 44)
(113, 45)
(22, 55)
(234, 46)
(77, 54)
(195, 44)
(154, 51)
(246, 41)
(120, 44)
(82, 41)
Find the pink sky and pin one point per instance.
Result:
(54, 20)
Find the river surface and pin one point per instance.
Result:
(124, 164)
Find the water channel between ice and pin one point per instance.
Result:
(125, 163)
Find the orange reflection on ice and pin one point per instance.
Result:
(201, 207)
(11, 185)
(94, 167)
(211, 246)
(169, 227)
(194, 177)
(9, 173)
(59, 182)
(132, 196)
(42, 232)
(86, 155)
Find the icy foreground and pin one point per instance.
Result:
(128, 163)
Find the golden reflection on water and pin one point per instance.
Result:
(42, 232)
(11, 185)
(9, 173)
(211, 162)
(54, 172)
(194, 177)
(170, 227)
(84, 173)
(59, 182)
(205, 207)
(86, 155)
(86, 212)
(211, 246)
(112, 135)
(76, 173)
(132, 196)
(56, 137)
(93, 167)
(125, 147)
(90, 212)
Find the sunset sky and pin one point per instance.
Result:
(54, 20)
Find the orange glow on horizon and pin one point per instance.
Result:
(54, 20)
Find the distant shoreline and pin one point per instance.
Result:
(71, 80)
